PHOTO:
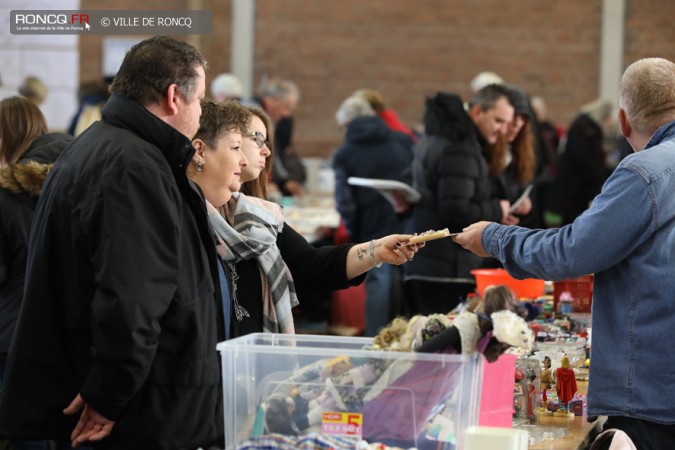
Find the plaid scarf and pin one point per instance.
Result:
(253, 235)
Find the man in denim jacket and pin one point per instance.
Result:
(627, 239)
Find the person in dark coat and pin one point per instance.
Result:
(115, 342)
(27, 153)
(582, 169)
(371, 150)
(451, 172)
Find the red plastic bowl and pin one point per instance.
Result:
(528, 288)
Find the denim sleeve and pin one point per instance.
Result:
(619, 220)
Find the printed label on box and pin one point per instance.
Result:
(342, 424)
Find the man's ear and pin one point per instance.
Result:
(625, 126)
(475, 111)
(172, 98)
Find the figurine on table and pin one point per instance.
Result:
(566, 386)
(531, 394)
(545, 378)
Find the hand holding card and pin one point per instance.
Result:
(431, 235)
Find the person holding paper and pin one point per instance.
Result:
(451, 172)
(268, 265)
(371, 150)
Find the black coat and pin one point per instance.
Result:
(314, 270)
(122, 298)
(581, 169)
(371, 150)
(20, 187)
(451, 173)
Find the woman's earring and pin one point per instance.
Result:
(200, 166)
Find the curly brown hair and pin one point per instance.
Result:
(220, 118)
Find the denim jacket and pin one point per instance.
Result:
(627, 239)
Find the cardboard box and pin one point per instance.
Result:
(297, 384)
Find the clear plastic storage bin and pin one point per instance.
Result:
(332, 387)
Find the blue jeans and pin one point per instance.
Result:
(645, 435)
(378, 298)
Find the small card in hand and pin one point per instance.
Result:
(431, 235)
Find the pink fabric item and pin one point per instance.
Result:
(496, 397)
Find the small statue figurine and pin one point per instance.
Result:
(566, 387)
(545, 378)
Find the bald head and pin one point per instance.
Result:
(647, 94)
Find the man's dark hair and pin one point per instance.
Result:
(488, 96)
(152, 65)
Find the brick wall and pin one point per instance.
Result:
(649, 30)
(410, 49)
(91, 47)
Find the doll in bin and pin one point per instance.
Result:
(346, 383)
(371, 386)
(488, 327)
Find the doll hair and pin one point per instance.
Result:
(278, 416)
(406, 335)
(496, 298)
(391, 333)
(565, 362)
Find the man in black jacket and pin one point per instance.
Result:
(451, 173)
(116, 339)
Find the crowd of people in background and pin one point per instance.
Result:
(157, 193)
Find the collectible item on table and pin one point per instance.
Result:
(526, 392)
(578, 404)
(404, 401)
(545, 378)
(566, 387)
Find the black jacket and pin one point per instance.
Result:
(122, 298)
(371, 150)
(314, 270)
(20, 187)
(581, 169)
(451, 173)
